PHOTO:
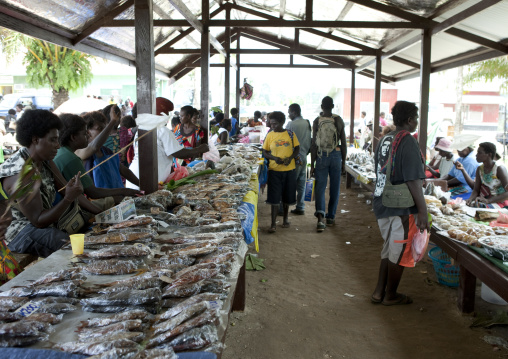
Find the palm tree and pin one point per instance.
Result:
(47, 64)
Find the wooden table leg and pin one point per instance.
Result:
(239, 297)
(467, 290)
(349, 179)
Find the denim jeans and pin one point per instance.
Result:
(328, 165)
(301, 176)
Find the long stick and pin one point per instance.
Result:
(113, 155)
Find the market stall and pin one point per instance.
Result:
(164, 280)
(360, 167)
(476, 241)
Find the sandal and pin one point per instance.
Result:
(320, 227)
(272, 230)
(402, 299)
(376, 300)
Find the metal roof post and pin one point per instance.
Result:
(205, 63)
(227, 74)
(424, 90)
(377, 102)
(145, 92)
(237, 89)
(352, 111)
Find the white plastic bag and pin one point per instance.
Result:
(213, 153)
(419, 245)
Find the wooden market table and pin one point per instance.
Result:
(353, 173)
(472, 265)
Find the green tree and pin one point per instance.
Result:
(47, 64)
(489, 70)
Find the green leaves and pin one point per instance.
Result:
(488, 71)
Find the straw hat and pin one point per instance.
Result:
(444, 144)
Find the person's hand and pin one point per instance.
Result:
(203, 148)
(74, 188)
(483, 200)
(115, 114)
(5, 219)
(470, 201)
(279, 161)
(458, 166)
(311, 171)
(129, 192)
(422, 222)
(343, 171)
(287, 161)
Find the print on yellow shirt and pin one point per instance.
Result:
(279, 144)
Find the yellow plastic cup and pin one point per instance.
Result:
(77, 243)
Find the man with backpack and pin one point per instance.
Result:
(328, 153)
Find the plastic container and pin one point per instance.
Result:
(490, 296)
(447, 273)
(77, 243)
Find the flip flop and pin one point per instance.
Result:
(286, 225)
(403, 299)
(272, 230)
(375, 300)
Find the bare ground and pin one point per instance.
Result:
(297, 307)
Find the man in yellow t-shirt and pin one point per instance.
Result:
(280, 148)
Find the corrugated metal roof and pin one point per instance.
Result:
(62, 21)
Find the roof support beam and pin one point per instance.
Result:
(345, 10)
(338, 39)
(308, 10)
(377, 102)
(424, 89)
(102, 21)
(227, 63)
(183, 34)
(461, 16)
(314, 24)
(282, 9)
(277, 52)
(205, 61)
(395, 11)
(194, 21)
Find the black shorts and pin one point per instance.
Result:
(281, 185)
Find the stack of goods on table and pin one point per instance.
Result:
(452, 221)
(146, 287)
(363, 162)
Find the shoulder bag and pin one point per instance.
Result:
(395, 196)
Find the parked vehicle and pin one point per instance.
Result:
(41, 102)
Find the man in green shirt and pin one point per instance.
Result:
(74, 136)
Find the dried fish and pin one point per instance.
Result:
(94, 348)
(214, 285)
(45, 318)
(194, 268)
(117, 237)
(136, 250)
(54, 300)
(69, 288)
(182, 291)
(61, 275)
(183, 239)
(11, 303)
(185, 304)
(103, 321)
(134, 280)
(195, 250)
(133, 285)
(171, 302)
(111, 266)
(140, 221)
(193, 277)
(18, 292)
(22, 341)
(24, 329)
(218, 257)
(126, 325)
(127, 297)
(180, 260)
(7, 317)
(206, 317)
(57, 308)
(186, 314)
(150, 308)
(196, 338)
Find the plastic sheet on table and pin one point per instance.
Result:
(112, 266)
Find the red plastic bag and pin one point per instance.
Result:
(419, 245)
(179, 173)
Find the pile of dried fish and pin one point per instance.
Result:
(135, 250)
(23, 333)
(115, 302)
(111, 266)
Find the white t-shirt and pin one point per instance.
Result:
(167, 144)
(214, 138)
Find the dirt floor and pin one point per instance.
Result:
(297, 307)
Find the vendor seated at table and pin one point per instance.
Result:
(466, 163)
(445, 161)
(34, 221)
(489, 186)
(74, 136)
(222, 135)
(110, 173)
